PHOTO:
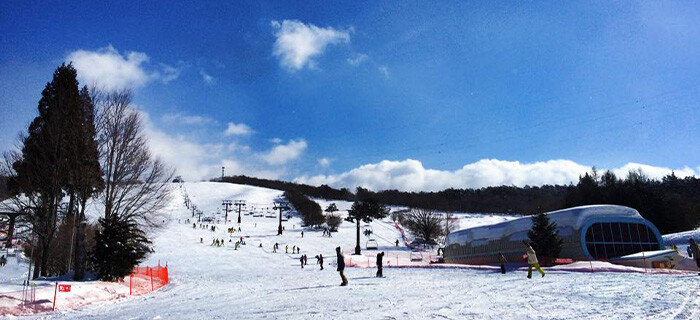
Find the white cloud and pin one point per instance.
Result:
(179, 118)
(357, 60)
(324, 162)
(234, 146)
(297, 43)
(167, 73)
(237, 129)
(276, 140)
(283, 153)
(654, 172)
(108, 68)
(385, 71)
(196, 161)
(208, 79)
(410, 175)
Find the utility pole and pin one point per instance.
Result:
(239, 204)
(280, 206)
(199, 215)
(222, 174)
(227, 204)
(194, 208)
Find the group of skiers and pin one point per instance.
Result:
(326, 233)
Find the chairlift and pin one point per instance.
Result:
(416, 256)
(371, 244)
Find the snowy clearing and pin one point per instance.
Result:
(210, 282)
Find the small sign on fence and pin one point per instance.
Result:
(63, 288)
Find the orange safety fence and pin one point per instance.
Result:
(43, 296)
(574, 264)
(146, 279)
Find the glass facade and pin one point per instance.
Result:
(614, 239)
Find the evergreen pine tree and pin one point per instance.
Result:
(85, 174)
(120, 245)
(544, 238)
(365, 210)
(43, 170)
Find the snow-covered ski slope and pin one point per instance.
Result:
(210, 282)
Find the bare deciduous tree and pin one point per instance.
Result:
(427, 225)
(136, 183)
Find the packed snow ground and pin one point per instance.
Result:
(210, 282)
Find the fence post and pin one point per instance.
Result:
(55, 290)
(151, 269)
(644, 260)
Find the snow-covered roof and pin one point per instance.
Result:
(567, 220)
(646, 254)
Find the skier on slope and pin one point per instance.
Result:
(3, 261)
(319, 260)
(341, 266)
(286, 248)
(301, 259)
(502, 260)
(696, 250)
(532, 260)
(380, 263)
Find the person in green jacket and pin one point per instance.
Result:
(532, 261)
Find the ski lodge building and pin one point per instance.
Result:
(596, 232)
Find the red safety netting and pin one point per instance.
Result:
(146, 279)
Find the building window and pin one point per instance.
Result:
(609, 240)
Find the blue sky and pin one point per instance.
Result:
(408, 95)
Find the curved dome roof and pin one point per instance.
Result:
(572, 218)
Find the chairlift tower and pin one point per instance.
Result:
(239, 204)
(227, 204)
(281, 207)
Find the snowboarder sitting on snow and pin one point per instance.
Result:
(696, 250)
(502, 260)
(341, 266)
(236, 245)
(380, 263)
(201, 240)
(194, 226)
(532, 260)
(3, 261)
